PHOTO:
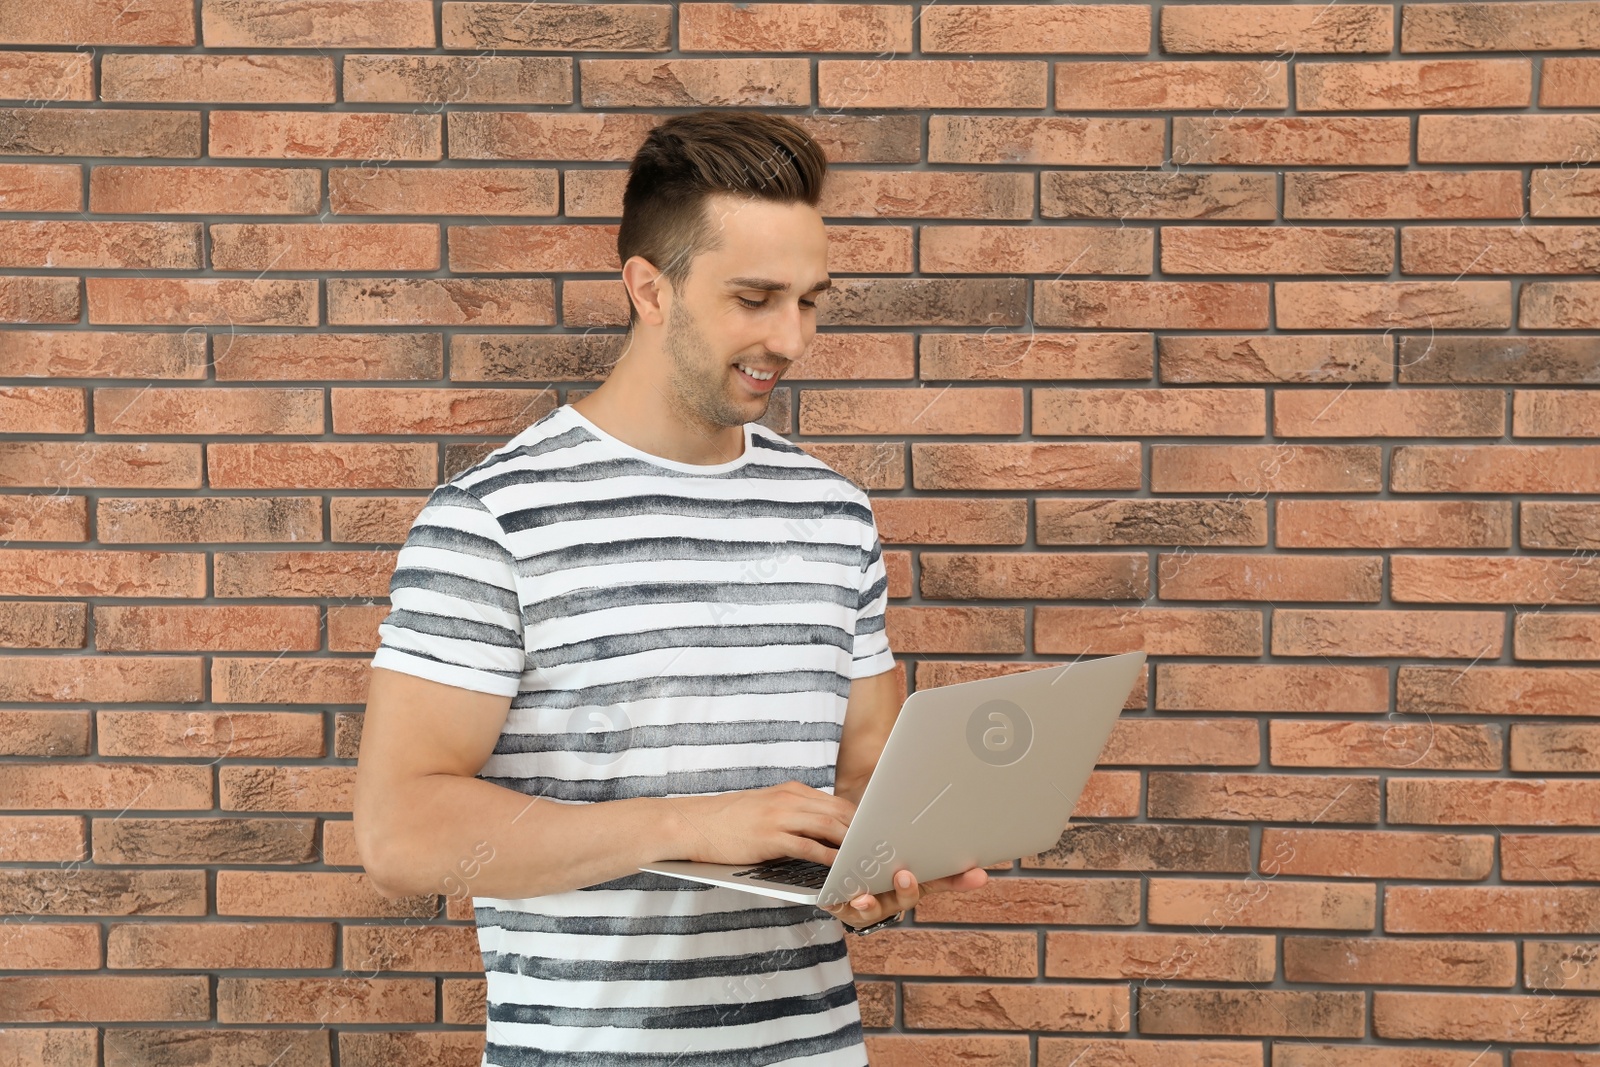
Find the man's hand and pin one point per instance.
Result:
(752, 825)
(867, 909)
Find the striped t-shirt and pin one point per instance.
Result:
(662, 629)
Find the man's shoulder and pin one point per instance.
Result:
(836, 485)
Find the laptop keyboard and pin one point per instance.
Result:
(807, 873)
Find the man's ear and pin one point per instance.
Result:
(647, 287)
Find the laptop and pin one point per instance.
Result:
(972, 774)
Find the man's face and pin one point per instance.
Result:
(728, 314)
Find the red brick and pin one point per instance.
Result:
(1496, 690)
(1159, 412)
(915, 1050)
(1297, 1014)
(1013, 1007)
(25, 299)
(441, 301)
(1276, 250)
(1036, 250)
(217, 79)
(1277, 28)
(1392, 961)
(1145, 1051)
(44, 733)
(1392, 743)
(42, 408)
(46, 77)
(77, 890)
(441, 80)
(541, 135)
(1055, 28)
(220, 945)
(1540, 635)
(1152, 305)
(1158, 631)
(1554, 413)
(52, 1047)
(1561, 966)
(1124, 195)
(1249, 687)
(1394, 523)
(1001, 356)
(456, 191)
(289, 628)
(110, 22)
(1367, 632)
(1029, 464)
(968, 953)
(373, 949)
(1573, 857)
(1524, 249)
(1311, 1054)
(1567, 747)
(1393, 85)
(125, 245)
(1276, 468)
(375, 138)
(1038, 901)
(1255, 796)
(1467, 27)
(1393, 305)
(324, 356)
(1560, 192)
(43, 946)
(1404, 412)
(1036, 575)
(1363, 194)
(318, 24)
(1170, 85)
(987, 521)
(313, 465)
(1276, 359)
(695, 82)
(324, 246)
(134, 1047)
(125, 840)
(146, 410)
(1222, 903)
(1569, 82)
(1332, 141)
(1207, 521)
(105, 786)
(329, 1001)
(104, 998)
(42, 838)
(931, 83)
(1491, 909)
(203, 301)
(1146, 847)
(1494, 802)
(104, 465)
(1215, 958)
(28, 131)
(1502, 138)
(1559, 306)
(1494, 579)
(1512, 1018)
(533, 249)
(1559, 524)
(313, 894)
(178, 190)
(796, 28)
(1241, 576)
(566, 27)
(912, 411)
(41, 187)
(957, 195)
(1375, 853)
(291, 788)
(440, 1048)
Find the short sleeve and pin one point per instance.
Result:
(872, 654)
(455, 615)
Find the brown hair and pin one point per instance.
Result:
(689, 157)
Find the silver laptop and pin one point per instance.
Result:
(972, 774)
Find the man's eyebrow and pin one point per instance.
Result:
(770, 286)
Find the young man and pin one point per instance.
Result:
(650, 628)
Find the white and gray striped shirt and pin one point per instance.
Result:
(662, 629)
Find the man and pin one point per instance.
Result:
(649, 628)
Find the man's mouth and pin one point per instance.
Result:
(757, 373)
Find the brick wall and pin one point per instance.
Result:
(1258, 336)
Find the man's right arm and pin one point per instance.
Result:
(424, 823)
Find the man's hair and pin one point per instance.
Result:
(688, 158)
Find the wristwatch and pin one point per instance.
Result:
(880, 924)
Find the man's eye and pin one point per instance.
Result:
(762, 303)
